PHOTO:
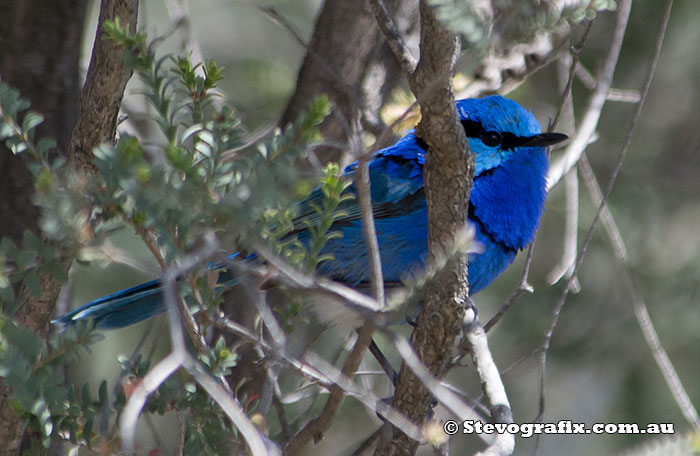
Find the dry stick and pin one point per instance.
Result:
(521, 290)
(368, 443)
(491, 383)
(623, 10)
(565, 266)
(622, 95)
(573, 153)
(370, 400)
(293, 279)
(302, 368)
(313, 367)
(182, 428)
(590, 119)
(362, 184)
(393, 37)
(524, 286)
(568, 257)
(180, 357)
(319, 425)
(574, 63)
(638, 304)
(444, 395)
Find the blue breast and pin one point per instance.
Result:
(505, 207)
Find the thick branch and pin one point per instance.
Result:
(448, 175)
(344, 36)
(104, 87)
(97, 115)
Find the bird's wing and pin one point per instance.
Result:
(396, 181)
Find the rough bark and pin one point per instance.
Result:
(344, 42)
(40, 44)
(96, 123)
(448, 175)
(40, 57)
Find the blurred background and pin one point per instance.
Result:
(599, 368)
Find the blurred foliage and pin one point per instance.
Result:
(498, 25)
(200, 177)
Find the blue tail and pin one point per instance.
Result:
(120, 309)
(130, 306)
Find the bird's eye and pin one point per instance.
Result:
(491, 138)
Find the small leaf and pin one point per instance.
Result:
(25, 257)
(25, 341)
(31, 120)
(103, 394)
(31, 281)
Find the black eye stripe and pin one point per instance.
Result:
(473, 129)
(506, 140)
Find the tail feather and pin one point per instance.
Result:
(120, 309)
(135, 304)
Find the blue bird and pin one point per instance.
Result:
(506, 202)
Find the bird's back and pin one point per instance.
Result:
(506, 202)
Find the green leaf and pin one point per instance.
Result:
(44, 146)
(103, 394)
(31, 120)
(85, 395)
(25, 258)
(87, 429)
(23, 340)
(31, 281)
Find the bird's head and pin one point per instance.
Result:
(497, 128)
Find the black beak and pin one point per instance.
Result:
(544, 140)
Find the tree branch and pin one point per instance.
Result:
(104, 86)
(96, 124)
(393, 37)
(448, 175)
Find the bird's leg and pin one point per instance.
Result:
(471, 313)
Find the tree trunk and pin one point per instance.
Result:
(43, 49)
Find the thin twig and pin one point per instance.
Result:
(573, 63)
(476, 343)
(319, 425)
(180, 357)
(638, 304)
(565, 266)
(362, 184)
(623, 11)
(181, 425)
(282, 416)
(620, 95)
(590, 119)
(448, 398)
(368, 443)
(573, 152)
(393, 37)
(383, 362)
(302, 368)
(523, 288)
